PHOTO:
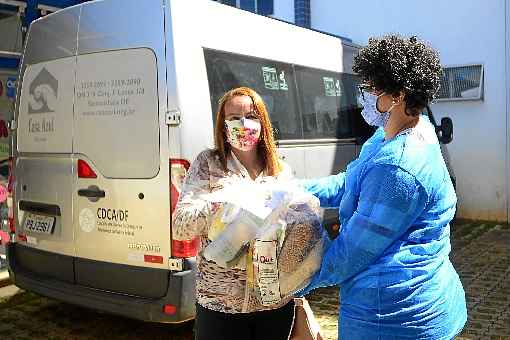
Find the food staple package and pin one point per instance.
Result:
(270, 229)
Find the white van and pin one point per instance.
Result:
(116, 99)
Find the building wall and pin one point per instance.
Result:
(464, 31)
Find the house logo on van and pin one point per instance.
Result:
(87, 220)
(43, 93)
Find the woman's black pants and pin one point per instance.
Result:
(265, 325)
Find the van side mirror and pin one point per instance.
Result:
(445, 130)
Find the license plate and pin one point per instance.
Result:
(39, 223)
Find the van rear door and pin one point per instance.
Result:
(120, 217)
(44, 165)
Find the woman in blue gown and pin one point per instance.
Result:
(395, 203)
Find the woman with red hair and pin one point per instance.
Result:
(244, 148)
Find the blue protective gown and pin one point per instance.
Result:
(391, 257)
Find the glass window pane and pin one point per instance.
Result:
(274, 81)
(328, 103)
(265, 7)
(117, 93)
(10, 26)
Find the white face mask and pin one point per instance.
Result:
(243, 134)
(370, 112)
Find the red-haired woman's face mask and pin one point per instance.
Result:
(242, 123)
(243, 134)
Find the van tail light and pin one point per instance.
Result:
(84, 170)
(10, 196)
(178, 170)
(185, 248)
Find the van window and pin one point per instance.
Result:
(304, 103)
(116, 112)
(45, 120)
(274, 81)
(328, 103)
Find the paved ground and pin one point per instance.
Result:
(481, 254)
(482, 258)
(27, 317)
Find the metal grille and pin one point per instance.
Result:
(461, 83)
(265, 7)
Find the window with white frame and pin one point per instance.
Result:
(461, 82)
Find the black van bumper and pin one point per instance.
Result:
(180, 292)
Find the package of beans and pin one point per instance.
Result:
(285, 254)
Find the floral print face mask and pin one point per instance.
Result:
(243, 134)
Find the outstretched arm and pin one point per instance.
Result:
(329, 190)
(390, 201)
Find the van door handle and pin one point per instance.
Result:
(92, 192)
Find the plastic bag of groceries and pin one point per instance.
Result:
(273, 231)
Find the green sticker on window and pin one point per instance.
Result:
(270, 78)
(338, 89)
(332, 87)
(283, 82)
(329, 86)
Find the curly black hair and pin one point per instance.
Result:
(393, 63)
